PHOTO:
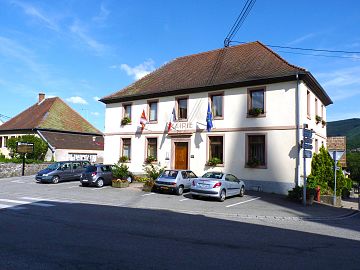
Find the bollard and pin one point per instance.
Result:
(317, 194)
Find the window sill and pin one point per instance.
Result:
(153, 122)
(218, 118)
(256, 167)
(217, 165)
(256, 116)
(153, 162)
(181, 120)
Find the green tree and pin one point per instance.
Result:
(353, 164)
(40, 147)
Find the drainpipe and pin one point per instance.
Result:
(297, 116)
(50, 146)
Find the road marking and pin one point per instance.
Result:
(73, 187)
(184, 200)
(243, 202)
(5, 206)
(25, 202)
(45, 199)
(18, 181)
(148, 194)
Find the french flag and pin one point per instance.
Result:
(143, 120)
(172, 119)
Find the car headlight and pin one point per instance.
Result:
(45, 174)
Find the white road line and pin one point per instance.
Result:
(45, 199)
(183, 200)
(243, 202)
(5, 206)
(18, 181)
(25, 202)
(73, 187)
(148, 194)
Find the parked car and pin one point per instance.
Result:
(175, 180)
(62, 171)
(217, 185)
(96, 175)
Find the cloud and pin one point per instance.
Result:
(103, 15)
(96, 98)
(76, 100)
(37, 14)
(342, 83)
(301, 39)
(140, 70)
(82, 34)
(95, 114)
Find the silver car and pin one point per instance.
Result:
(217, 185)
(175, 180)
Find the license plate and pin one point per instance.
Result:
(203, 185)
(164, 187)
(84, 180)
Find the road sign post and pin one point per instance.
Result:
(336, 156)
(307, 153)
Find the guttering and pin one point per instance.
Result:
(42, 137)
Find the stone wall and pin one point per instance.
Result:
(15, 169)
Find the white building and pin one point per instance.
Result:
(259, 103)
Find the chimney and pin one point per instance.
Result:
(41, 97)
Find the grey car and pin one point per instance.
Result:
(96, 175)
(175, 180)
(62, 171)
(217, 185)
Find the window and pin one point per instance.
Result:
(127, 110)
(126, 148)
(316, 107)
(308, 103)
(66, 167)
(256, 151)
(256, 102)
(322, 111)
(231, 178)
(216, 147)
(0, 142)
(76, 165)
(105, 168)
(191, 174)
(152, 148)
(217, 106)
(182, 108)
(153, 108)
(5, 141)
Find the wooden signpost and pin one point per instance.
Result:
(24, 148)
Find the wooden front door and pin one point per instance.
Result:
(181, 155)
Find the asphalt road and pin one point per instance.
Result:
(65, 226)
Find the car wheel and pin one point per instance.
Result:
(55, 179)
(180, 190)
(100, 183)
(222, 195)
(242, 191)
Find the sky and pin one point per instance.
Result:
(82, 50)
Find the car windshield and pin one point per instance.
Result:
(53, 166)
(90, 169)
(169, 174)
(215, 175)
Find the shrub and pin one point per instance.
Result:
(123, 159)
(120, 171)
(296, 193)
(214, 161)
(318, 118)
(150, 159)
(153, 171)
(255, 111)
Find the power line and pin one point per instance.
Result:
(303, 49)
(323, 55)
(4, 116)
(239, 21)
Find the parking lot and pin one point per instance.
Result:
(16, 192)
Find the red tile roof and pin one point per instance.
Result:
(52, 114)
(249, 62)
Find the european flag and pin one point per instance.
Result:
(209, 117)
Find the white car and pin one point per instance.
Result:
(217, 185)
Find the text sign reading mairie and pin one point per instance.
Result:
(24, 147)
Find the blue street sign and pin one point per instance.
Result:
(308, 140)
(307, 146)
(307, 154)
(307, 133)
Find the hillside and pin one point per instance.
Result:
(349, 128)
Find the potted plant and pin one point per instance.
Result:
(150, 159)
(255, 111)
(318, 119)
(323, 122)
(123, 159)
(152, 172)
(125, 121)
(253, 163)
(213, 161)
(120, 174)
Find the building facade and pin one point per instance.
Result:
(256, 125)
